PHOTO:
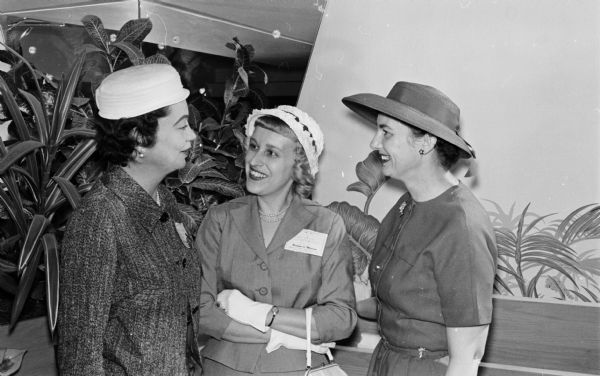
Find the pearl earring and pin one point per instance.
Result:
(141, 155)
(421, 151)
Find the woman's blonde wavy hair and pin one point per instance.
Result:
(303, 180)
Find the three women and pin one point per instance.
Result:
(433, 267)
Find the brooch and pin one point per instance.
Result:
(402, 207)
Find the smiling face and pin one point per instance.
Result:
(174, 139)
(397, 147)
(270, 159)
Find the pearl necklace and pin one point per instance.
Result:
(272, 217)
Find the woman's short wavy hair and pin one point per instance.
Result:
(117, 139)
(303, 181)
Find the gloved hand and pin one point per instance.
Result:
(244, 310)
(291, 342)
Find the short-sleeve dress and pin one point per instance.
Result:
(433, 267)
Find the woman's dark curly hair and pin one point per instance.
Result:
(117, 139)
(303, 180)
(447, 153)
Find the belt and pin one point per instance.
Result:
(421, 352)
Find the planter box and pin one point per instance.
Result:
(527, 337)
(33, 336)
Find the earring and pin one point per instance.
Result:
(141, 155)
(421, 151)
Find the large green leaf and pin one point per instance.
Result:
(223, 187)
(557, 286)
(580, 296)
(76, 159)
(192, 170)
(134, 31)
(61, 201)
(41, 118)
(25, 282)
(370, 176)
(362, 231)
(34, 234)
(13, 108)
(94, 27)
(532, 285)
(15, 212)
(76, 132)
(30, 183)
(191, 216)
(16, 152)
(552, 265)
(594, 297)
(134, 54)
(52, 277)
(63, 99)
(69, 191)
(157, 59)
(586, 226)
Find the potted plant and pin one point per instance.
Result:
(215, 171)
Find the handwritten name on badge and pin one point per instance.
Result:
(307, 241)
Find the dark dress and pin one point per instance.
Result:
(433, 267)
(130, 287)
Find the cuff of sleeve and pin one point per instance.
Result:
(216, 323)
(329, 330)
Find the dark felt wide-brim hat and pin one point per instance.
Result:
(420, 106)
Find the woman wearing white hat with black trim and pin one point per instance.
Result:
(129, 281)
(268, 256)
(433, 266)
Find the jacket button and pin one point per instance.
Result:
(263, 266)
(263, 291)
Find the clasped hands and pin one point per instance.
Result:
(246, 311)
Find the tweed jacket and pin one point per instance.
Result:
(129, 286)
(234, 257)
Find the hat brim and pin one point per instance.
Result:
(369, 106)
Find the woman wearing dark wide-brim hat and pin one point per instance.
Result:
(434, 261)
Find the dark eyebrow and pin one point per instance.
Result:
(273, 147)
(183, 117)
(266, 145)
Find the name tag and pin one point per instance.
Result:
(307, 241)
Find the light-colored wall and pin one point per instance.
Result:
(526, 75)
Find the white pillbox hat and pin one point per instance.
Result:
(138, 90)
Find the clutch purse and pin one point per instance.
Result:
(330, 369)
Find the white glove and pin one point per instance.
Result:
(291, 342)
(244, 310)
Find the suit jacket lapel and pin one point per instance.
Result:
(247, 221)
(296, 219)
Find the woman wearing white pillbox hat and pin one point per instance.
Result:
(130, 283)
(268, 256)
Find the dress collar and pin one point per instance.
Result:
(137, 201)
